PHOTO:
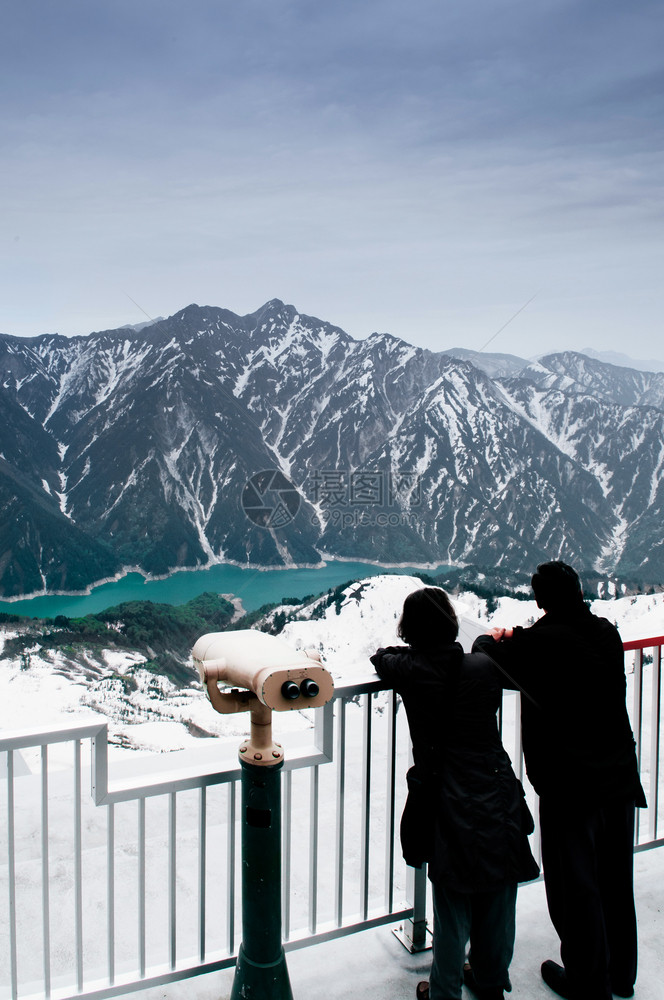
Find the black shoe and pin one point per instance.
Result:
(555, 978)
(622, 991)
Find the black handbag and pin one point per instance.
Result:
(418, 820)
(422, 808)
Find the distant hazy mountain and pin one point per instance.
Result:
(495, 365)
(575, 373)
(624, 361)
(275, 438)
(141, 326)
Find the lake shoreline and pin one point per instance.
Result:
(326, 559)
(254, 586)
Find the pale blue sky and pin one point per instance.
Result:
(421, 168)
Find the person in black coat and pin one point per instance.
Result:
(580, 758)
(466, 813)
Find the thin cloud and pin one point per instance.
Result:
(419, 169)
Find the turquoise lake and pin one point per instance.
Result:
(253, 587)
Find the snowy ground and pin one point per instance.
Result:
(375, 965)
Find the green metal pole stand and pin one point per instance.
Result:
(261, 972)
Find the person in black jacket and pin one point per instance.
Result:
(580, 758)
(466, 813)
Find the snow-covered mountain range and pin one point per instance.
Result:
(276, 439)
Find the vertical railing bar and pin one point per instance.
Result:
(46, 924)
(141, 886)
(11, 872)
(99, 766)
(202, 845)
(172, 861)
(518, 744)
(655, 728)
(366, 793)
(390, 800)
(420, 883)
(415, 928)
(324, 729)
(230, 867)
(638, 700)
(341, 811)
(78, 866)
(286, 835)
(110, 891)
(537, 833)
(638, 722)
(313, 849)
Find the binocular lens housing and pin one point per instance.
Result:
(290, 690)
(309, 688)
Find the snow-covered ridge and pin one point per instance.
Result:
(147, 712)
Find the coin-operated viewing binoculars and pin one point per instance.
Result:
(264, 674)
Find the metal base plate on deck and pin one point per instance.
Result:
(413, 943)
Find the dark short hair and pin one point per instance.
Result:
(557, 587)
(428, 619)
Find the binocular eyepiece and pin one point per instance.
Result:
(282, 678)
(272, 676)
(308, 689)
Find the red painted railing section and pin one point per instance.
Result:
(644, 643)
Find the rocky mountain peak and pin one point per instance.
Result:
(141, 448)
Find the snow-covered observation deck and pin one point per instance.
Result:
(136, 884)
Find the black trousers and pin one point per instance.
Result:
(488, 920)
(588, 861)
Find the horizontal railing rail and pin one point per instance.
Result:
(643, 643)
(135, 884)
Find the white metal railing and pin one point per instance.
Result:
(136, 884)
(646, 714)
